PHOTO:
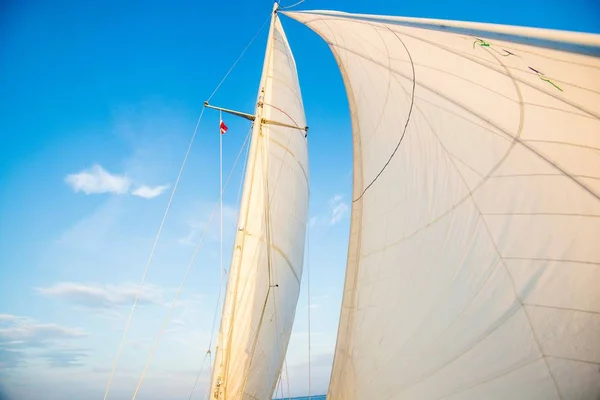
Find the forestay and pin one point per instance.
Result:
(266, 268)
(474, 261)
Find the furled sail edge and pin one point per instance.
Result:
(573, 42)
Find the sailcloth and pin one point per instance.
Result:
(266, 268)
(474, 262)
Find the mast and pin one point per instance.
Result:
(266, 268)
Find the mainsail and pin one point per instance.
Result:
(266, 268)
(474, 261)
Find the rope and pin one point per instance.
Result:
(207, 395)
(239, 58)
(120, 348)
(191, 263)
(137, 295)
(293, 5)
(212, 331)
(308, 300)
(199, 373)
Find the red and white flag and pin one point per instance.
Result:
(223, 127)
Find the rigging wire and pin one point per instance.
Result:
(308, 300)
(151, 256)
(223, 276)
(206, 355)
(191, 263)
(128, 323)
(240, 57)
(293, 5)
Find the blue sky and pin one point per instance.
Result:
(97, 104)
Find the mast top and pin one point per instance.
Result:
(275, 7)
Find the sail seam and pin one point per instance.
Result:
(490, 174)
(493, 378)
(553, 260)
(535, 175)
(507, 73)
(562, 308)
(470, 196)
(573, 359)
(497, 249)
(556, 214)
(278, 250)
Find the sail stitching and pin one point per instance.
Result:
(490, 274)
(573, 359)
(541, 174)
(562, 308)
(503, 321)
(561, 260)
(493, 378)
(514, 285)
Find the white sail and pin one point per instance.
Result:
(264, 281)
(474, 261)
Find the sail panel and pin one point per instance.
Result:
(474, 263)
(266, 269)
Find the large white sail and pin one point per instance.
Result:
(474, 261)
(264, 281)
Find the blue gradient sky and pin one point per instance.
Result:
(119, 85)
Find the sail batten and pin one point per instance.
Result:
(473, 263)
(266, 268)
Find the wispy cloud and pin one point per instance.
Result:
(19, 336)
(97, 180)
(25, 331)
(149, 192)
(337, 209)
(103, 296)
(64, 358)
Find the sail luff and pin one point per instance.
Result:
(472, 266)
(263, 286)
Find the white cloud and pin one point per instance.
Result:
(149, 192)
(103, 296)
(97, 180)
(337, 209)
(16, 330)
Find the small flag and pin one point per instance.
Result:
(223, 127)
